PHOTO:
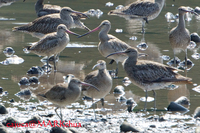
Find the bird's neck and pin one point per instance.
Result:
(129, 62)
(74, 87)
(103, 34)
(39, 4)
(181, 24)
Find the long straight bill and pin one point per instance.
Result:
(89, 32)
(68, 31)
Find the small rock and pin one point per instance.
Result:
(8, 51)
(12, 100)
(119, 89)
(24, 81)
(33, 80)
(27, 131)
(182, 100)
(197, 112)
(176, 107)
(35, 70)
(152, 126)
(49, 115)
(59, 130)
(10, 122)
(3, 109)
(34, 119)
(126, 127)
(24, 92)
(195, 37)
(1, 90)
(197, 10)
(142, 46)
(171, 62)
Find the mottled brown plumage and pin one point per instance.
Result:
(99, 78)
(48, 23)
(63, 94)
(45, 9)
(52, 43)
(109, 43)
(143, 10)
(179, 36)
(150, 75)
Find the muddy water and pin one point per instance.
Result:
(81, 54)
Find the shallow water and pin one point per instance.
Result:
(81, 53)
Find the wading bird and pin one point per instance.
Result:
(99, 78)
(64, 94)
(52, 43)
(149, 75)
(109, 43)
(48, 23)
(179, 36)
(143, 10)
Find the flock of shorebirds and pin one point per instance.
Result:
(53, 24)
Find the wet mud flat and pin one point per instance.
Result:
(83, 120)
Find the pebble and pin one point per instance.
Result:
(33, 80)
(35, 70)
(3, 109)
(12, 100)
(171, 62)
(10, 121)
(34, 119)
(197, 112)
(194, 37)
(60, 130)
(126, 127)
(142, 46)
(183, 100)
(8, 51)
(176, 107)
(1, 90)
(119, 89)
(24, 81)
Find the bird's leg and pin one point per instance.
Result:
(47, 64)
(57, 112)
(186, 59)
(174, 58)
(54, 62)
(61, 117)
(145, 105)
(102, 102)
(93, 109)
(154, 95)
(116, 73)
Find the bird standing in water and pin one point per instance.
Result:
(52, 43)
(143, 10)
(64, 94)
(109, 43)
(99, 78)
(149, 75)
(179, 36)
(48, 23)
